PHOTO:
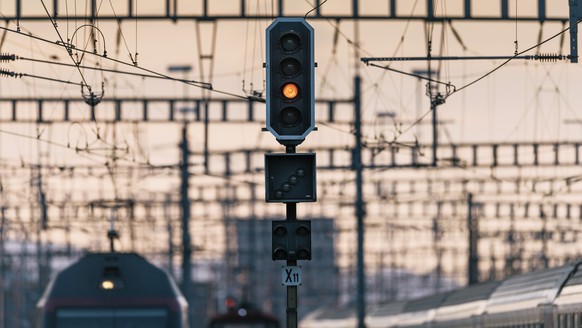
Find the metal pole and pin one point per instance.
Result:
(170, 230)
(433, 108)
(473, 270)
(250, 295)
(360, 212)
(291, 290)
(2, 293)
(574, 16)
(185, 204)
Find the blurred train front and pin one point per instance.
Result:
(112, 290)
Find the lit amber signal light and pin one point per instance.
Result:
(290, 91)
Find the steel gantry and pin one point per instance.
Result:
(205, 10)
(152, 110)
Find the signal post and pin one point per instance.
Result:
(290, 176)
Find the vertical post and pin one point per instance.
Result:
(18, 11)
(168, 217)
(575, 12)
(542, 10)
(467, 8)
(360, 212)
(429, 9)
(473, 227)
(291, 290)
(2, 294)
(280, 8)
(145, 110)
(505, 9)
(435, 134)
(55, 9)
(93, 10)
(205, 8)
(253, 235)
(544, 250)
(66, 114)
(185, 205)
(436, 231)
(392, 8)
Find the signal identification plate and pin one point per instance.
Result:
(291, 276)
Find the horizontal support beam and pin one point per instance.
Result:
(534, 212)
(202, 10)
(454, 156)
(213, 17)
(466, 155)
(151, 110)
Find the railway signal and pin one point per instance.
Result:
(290, 80)
(290, 177)
(291, 240)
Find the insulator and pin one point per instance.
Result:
(7, 57)
(549, 57)
(9, 73)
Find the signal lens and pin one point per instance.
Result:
(303, 254)
(280, 254)
(280, 230)
(290, 66)
(290, 116)
(290, 90)
(302, 230)
(290, 42)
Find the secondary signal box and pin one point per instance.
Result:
(290, 178)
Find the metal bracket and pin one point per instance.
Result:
(575, 16)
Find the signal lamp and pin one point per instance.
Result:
(279, 254)
(280, 230)
(290, 42)
(291, 116)
(290, 67)
(303, 254)
(302, 230)
(290, 90)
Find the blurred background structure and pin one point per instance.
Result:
(129, 116)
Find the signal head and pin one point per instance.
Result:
(290, 79)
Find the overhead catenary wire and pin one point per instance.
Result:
(314, 8)
(54, 24)
(21, 75)
(131, 57)
(508, 59)
(543, 57)
(198, 84)
(79, 151)
(106, 70)
(515, 56)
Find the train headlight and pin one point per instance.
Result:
(107, 284)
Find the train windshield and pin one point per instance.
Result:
(112, 318)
